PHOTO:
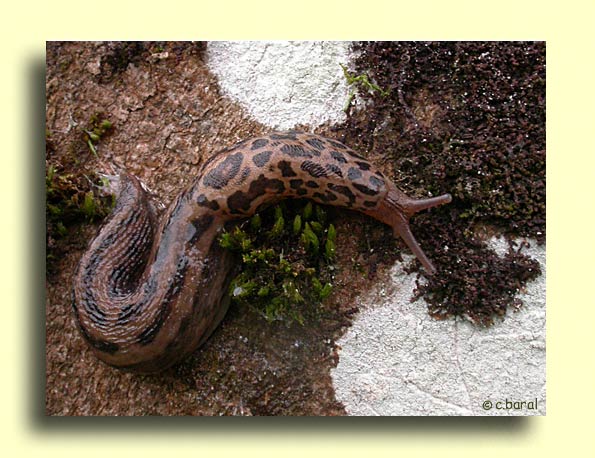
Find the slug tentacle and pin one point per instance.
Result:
(396, 210)
(149, 291)
(416, 205)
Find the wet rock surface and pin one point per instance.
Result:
(168, 117)
(464, 118)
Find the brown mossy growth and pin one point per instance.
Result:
(468, 119)
(181, 49)
(118, 57)
(472, 280)
(73, 188)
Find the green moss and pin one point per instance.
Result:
(283, 272)
(363, 81)
(97, 128)
(69, 201)
(329, 246)
(70, 196)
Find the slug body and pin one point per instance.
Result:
(149, 291)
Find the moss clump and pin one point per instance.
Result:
(118, 56)
(97, 129)
(72, 187)
(468, 119)
(464, 118)
(472, 280)
(69, 201)
(286, 254)
(70, 191)
(363, 81)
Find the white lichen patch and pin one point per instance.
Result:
(397, 360)
(282, 84)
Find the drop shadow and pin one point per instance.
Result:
(33, 193)
(361, 427)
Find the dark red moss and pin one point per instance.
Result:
(468, 119)
(117, 58)
(119, 55)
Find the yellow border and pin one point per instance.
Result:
(567, 27)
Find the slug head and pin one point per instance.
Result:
(396, 210)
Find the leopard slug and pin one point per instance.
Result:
(150, 290)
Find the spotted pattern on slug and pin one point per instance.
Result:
(225, 171)
(149, 291)
(261, 159)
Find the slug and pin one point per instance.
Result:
(150, 290)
